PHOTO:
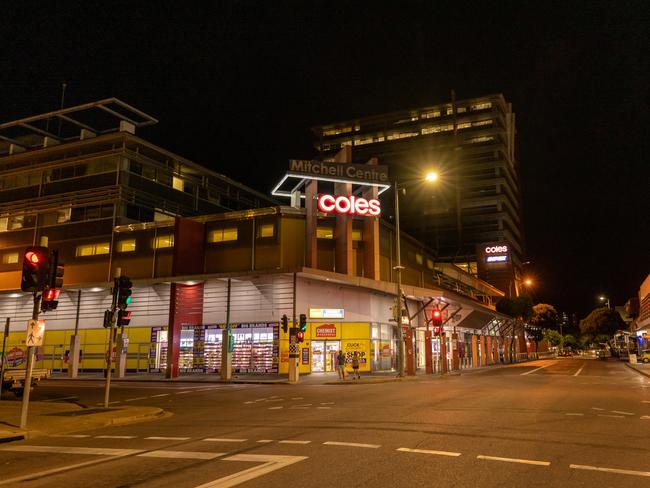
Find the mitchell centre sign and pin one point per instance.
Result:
(353, 173)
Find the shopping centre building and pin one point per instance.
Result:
(198, 270)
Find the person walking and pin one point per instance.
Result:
(340, 362)
(355, 366)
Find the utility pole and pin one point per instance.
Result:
(226, 334)
(30, 366)
(401, 351)
(111, 342)
(3, 359)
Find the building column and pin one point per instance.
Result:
(185, 308)
(311, 223)
(371, 236)
(495, 350)
(475, 363)
(428, 352)
(488, 351)
(483, 352)
(454, 352)
(343, 231)
(443, 352)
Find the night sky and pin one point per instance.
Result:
(236, 86)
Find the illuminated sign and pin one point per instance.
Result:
(496, 249)
(352, 172)
(349, 205)
(496, 259)
(326, 313)
(326, 330)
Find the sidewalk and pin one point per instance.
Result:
(640, 368)
(50, 418)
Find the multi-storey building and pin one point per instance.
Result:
(74, 174)
(471, 144)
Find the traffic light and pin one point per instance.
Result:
(301, 336)
(108, 319)
(303, 323)
(36, 269)
(50, 299)
(56, 271)
(123, 318)
(124, 292)
(285, 323)
(231, 341)
(436, 317)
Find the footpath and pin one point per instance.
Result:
(640, 368)
(50, 418)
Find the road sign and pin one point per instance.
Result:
(35, 332)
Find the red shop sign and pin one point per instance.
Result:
(326, 330)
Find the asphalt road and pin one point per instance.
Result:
(564, 422)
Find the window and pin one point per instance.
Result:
(127, 245)
(93, 249)
(357, 235)
(10, 258)
(177, 183)
(481, 106)
(336, 131)
(324, 233)
(17, 222)
(223, 235)
(161, 242)
(418, 258)
(430, 263)
(430, 115)
(266, 230)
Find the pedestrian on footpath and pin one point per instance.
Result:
(340, 362)
(355, 366)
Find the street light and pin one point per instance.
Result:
(603, 298)
(431, 176)
(528, 282)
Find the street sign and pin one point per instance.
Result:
(35, 332)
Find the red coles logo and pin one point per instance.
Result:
(349, 205)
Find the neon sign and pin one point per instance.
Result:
(349, 205)
(496, 249)
(496, 259)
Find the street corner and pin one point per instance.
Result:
(640, 368)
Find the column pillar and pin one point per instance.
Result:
(488, 349)
(311, 222)
(454, 352)
(443, 352)
(343, 230)
(475, 362)
(483, 352)
(428, 352)
(371, 236)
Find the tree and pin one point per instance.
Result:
(544, 316)
(553, 337)
(601, 321)
(519, 307)
(570, 341)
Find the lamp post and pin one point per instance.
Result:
(604, 299)
(430, 177)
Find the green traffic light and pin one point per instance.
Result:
(128, 300)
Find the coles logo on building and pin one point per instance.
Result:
(349, 205)
(496, 249)
(326, 330)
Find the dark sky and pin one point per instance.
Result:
(236, 85)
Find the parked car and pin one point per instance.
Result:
(644, 356)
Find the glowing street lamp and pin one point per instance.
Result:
(431, 176)
(603, 298)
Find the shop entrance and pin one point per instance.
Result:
(323, 354)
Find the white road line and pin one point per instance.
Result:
(97, 451)
(265, 441)
(161, 395)
(351, 444)
(296, 398)
(597, 408)
(611, 416)
(214, 439)
(622, 413)
(296, 407)
(183, 392)
(533, 370)
(182, 454)
(115, 437)
(135, 399)
(74, 436)
(580, 370)
(324, 408)
(575, 414)
(294, 442)
(427, 451)
(645, 401)
(167, 438)
(610, 470)
(112, 403)
(645, 417)
(327, 403)
(514, 460)
(304, 405)
(270, 463)
(248, 402)
(275, 408)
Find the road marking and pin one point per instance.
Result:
(645, 401)
(97, 451)
(611, 416)
(533, 370)
(296, 398)
(427, 451)
(610, 470)
(275, 408)
(294, 442)
(645, 417)
(183, 392)
(574, 414)
(182, 454)
(297, 407)
(351, 444)
(135, 399)
(580, 370)
(596, 408)
(270, 463)
(304, 405)
(74, 436)
(514, 460)
(167, 438)
(111, 403)
(265, 441)
(115, 437)
(622, 413)
(324, 408)
(214, 439)
(161, 395)
(327, 403)
(248, 402)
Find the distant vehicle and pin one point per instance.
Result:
(644, 356)
(565, 354)
(13, 379)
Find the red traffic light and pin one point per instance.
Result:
(301, 336)
(51, 294)
(32, 257)
(436, 314)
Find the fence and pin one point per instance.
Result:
(93, 357)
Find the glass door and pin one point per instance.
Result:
(318, 356)
(331, 351)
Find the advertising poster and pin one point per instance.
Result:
(360, 346)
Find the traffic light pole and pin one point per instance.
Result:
(111, 342)
(3, 358)
(30, 366)
(401, 346)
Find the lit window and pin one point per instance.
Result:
(430, 115)
(177, 183)
(481, 122)
(324, 233)
(418, 258)
(339, 130)
(481, 106)
(223, 235)
(357, 235)
(346, 143)
(482, 139)
(462, 110)
(127, 245)
(10, 258)
(93, 249)
(162, 242)
(449, 110)
(464, 125)
(266, 230)
(430, 263)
